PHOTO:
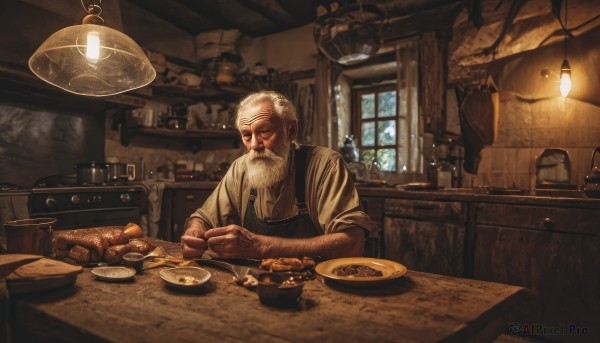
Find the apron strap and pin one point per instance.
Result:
(300, 181)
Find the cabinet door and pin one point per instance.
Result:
(562, 270)
(426, 246)
(425, 235)
(374, 242)
(185, 202)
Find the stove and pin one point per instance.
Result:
(87, 206)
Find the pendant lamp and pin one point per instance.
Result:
(92, 59)
(565, 68)
(350, 34)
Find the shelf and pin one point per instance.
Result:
(181, 91)
(193, 137)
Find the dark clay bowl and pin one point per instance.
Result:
(134, 260)
(280, 290)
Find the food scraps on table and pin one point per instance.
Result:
(284, 264)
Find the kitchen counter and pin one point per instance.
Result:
(565, 199)
(548, 197)
(418, 307)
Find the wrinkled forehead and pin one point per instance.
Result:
(257, 112)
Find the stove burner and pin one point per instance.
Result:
(56, 181)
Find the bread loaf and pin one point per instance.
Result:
(115, 253)
(108, 243)
(140, 245)
(80, 255)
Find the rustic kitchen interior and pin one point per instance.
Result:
(476, 164)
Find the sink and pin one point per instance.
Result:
(560, 193)
(485, 190)
(459, 190)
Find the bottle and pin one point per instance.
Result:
(445, 170)
(375, 171)
(432, 168)
(349, 150)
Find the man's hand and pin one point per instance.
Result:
(233, 241)
(193, 242)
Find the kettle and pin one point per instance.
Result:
(591, 185)
(349, 150)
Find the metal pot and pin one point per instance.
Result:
(92, 173)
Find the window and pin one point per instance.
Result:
(378, 133)
(386, 120)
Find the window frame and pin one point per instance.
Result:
(357, 119)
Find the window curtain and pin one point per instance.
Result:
(323, 129)
(409, 135)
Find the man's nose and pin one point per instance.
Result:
(256, 143)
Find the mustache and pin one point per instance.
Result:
(264, 154)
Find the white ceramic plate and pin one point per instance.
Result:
(113, 273)
(391, 270)
(185, 277)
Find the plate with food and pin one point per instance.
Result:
(185, 278)
(360, 271)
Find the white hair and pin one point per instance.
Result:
(282, 106)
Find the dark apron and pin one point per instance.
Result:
(299, 226)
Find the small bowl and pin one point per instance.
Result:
(134, 260)
(185, 278)
(280, 290)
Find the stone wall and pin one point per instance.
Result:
(526, 129)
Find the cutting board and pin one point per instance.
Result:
(10, 262)
(31, 273)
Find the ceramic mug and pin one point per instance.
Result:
(30, 236)
(190, 79)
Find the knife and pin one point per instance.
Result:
(239, 271)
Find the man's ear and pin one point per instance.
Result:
(292, 130)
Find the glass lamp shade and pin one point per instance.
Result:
(92, 60)
(348, 44)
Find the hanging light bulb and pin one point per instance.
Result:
(92, 59)
(565, 69)
(565, 78)
(93, 46)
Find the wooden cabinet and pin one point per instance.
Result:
(374, 246)
(426, 236)
(177, 205)
(553, 251)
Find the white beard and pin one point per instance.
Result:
(267, 168)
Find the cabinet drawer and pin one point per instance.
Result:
(422, 209)
(576, 220)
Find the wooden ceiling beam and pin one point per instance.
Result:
(271, 10)
(178, 14)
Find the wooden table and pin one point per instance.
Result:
(418, 307)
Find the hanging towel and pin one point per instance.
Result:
(479, 123)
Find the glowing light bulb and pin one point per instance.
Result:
(565, 78)
(93, 46)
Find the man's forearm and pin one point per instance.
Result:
(348, 243)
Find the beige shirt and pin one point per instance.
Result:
(332, 200)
